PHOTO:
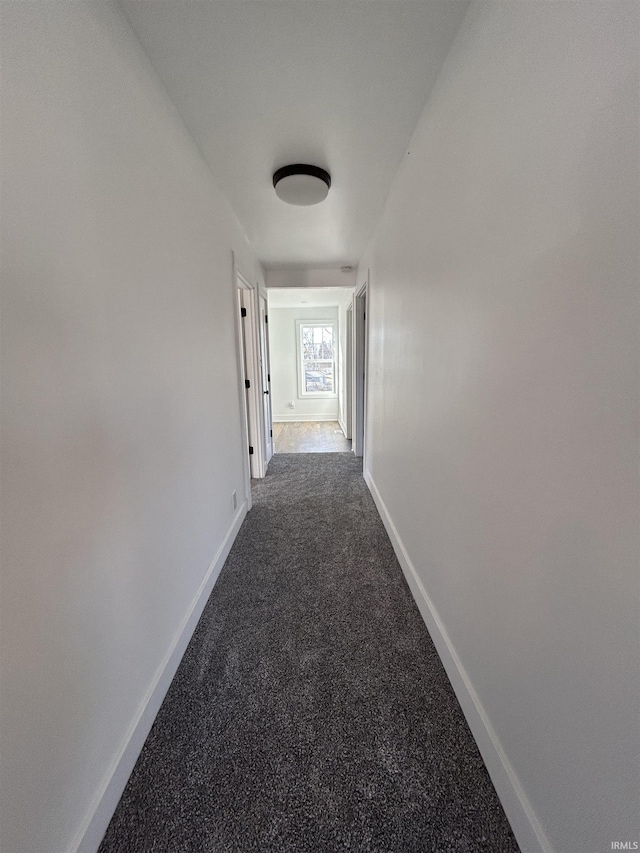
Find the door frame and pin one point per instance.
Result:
(265, 376)
(247, 349)
(348, 372)
(360, 366)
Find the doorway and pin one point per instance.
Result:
(253, 370)
(348, 375)
(360, 327)
(265, 370)
(309, 368)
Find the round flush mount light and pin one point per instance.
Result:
(301, 184)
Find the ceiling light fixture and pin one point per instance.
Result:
(301, 184)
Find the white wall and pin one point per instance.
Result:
(503, 401)
(284, 367)
(121, 435)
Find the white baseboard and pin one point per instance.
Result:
(343, 427)
(282, 419)
(525, 825)
(91, 832)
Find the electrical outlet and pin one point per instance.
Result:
(291, 404)
(234, 500)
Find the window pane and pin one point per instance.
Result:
(317, 342)
(318, 376)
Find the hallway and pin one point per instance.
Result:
(461, 298)
(311, 711)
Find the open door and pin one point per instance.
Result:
(348, 374)
(360, 369)
(266, 380)
(250, 375)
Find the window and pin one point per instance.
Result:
(316, 359)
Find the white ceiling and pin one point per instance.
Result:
(310, 297)
(337, 83)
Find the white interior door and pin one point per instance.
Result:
(360, 367)
(251, 377)
(266, 380)
(242, 374)
(349, 375)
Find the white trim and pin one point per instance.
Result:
(366, 291)
(265, 378)
(281, 419)
(342, 426)
(242, 397)
(249, 364)
(360, 367)
(90, 834)
(348, 370)
(526, 826)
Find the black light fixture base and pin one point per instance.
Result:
(302, 169)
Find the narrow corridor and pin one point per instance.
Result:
(311, 711)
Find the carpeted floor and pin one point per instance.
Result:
(310, 711)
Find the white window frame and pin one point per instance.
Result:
(302, 392)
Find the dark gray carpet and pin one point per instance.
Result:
(311, 711)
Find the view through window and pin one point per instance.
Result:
(317, 358)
